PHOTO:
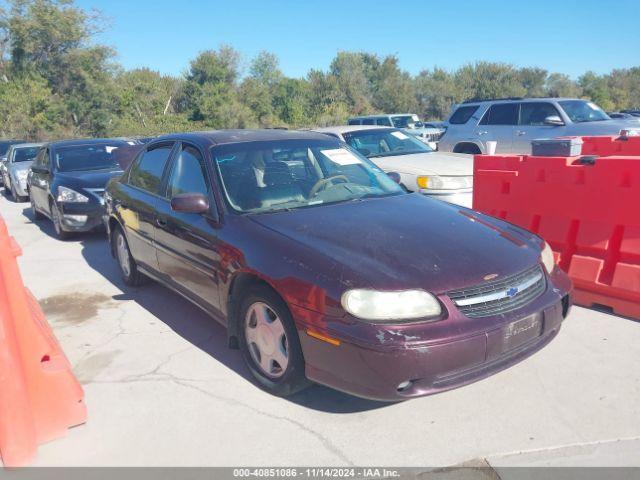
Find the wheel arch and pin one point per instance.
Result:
(240, 283)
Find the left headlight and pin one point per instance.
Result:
(546, 257)
(21, 175)
(71, 196)
(437, 182)
(377, 306)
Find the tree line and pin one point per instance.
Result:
(57, 82)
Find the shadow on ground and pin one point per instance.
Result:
(193, 324)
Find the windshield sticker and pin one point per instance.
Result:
(399, 135)
(341, 156)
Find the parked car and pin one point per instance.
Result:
(409, 122)
(445, 176)
(634, 113)
(15, 168)
(514, 123)
(623, 116)
(4, 146)
(323, 269)
(67, 180)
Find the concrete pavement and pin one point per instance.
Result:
(163, 389)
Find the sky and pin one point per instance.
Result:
(564, 36)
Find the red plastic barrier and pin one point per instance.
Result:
(589, 214)
(609, 146)
(39, 396)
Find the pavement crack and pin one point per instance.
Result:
(328, 444)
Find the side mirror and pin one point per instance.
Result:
(190, 203)
(395, 176)
(38, 169)
(553, 120)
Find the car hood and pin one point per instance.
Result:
(18, 166)
(432, 163)
(604, 127)
(88, 178)
(406, 241)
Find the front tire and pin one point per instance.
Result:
(56, 218)
(269, 342)
(128, 267)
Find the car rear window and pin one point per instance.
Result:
(463, 114)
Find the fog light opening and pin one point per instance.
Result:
(404, 386)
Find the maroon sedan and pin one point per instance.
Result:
(323, 269)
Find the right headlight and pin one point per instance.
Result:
(71, 196)
(546, 257)
(377, 306)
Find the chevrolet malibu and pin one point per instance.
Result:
(322, 269)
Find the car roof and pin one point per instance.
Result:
(512, 100)
(85, 141)
(218, 137)
(340, 129)
(16, 146)
(379, 115)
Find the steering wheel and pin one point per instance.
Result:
(323, 183)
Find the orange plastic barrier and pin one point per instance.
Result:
(608, 146)
(39, 396)
(589, 214)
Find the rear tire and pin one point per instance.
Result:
(265, 345)
(128, 267)
(467, 148)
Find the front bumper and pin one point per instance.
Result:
(464, 199)
(81, 217)
(436, 363)
(21, 187)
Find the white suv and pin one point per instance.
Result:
(514, 122)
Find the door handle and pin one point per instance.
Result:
(482, 132)
(520, 133)
(161, 222)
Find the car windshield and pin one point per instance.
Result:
(404, 121)
(286, 174)
(384, 143)
(25, 154)
(86, 157)
(580, 111)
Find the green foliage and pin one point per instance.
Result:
(56, 82)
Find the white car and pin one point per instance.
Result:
(445, 176)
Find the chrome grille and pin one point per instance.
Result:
(501, 296)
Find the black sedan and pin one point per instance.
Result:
(67, 182)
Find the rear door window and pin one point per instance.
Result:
(147, 171)
(354, 122)
(368, 121)
(463, 114)
(501, 114)
(384, 121)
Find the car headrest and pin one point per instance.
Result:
(277, 173)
